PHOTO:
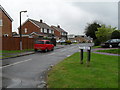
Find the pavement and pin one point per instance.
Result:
(95, 51)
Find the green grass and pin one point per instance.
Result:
(102, 73)
(94, 47)
(114, 51)
(15, 51)
(7, 54)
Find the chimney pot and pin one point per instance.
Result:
(41, 21)
(58, 26)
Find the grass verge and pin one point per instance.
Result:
(114, 51)
(15, 51)
(103, 72)
(94, 47)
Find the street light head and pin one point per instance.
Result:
(23, 11)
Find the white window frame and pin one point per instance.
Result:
(62, 33)
(42, 30)
(45, 30)
(5, 35)
(26, 30)
(50, 31)
(1, 22)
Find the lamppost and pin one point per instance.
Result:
(21, 31)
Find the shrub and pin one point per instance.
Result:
(68, 42)
(97, 42)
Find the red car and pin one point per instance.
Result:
(43, 45)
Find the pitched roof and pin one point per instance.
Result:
(58, 28)
(1, 8)
(40, 25)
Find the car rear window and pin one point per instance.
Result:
(39, 42)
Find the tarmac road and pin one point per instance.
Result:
(29, 71)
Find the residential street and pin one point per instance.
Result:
(28, 71)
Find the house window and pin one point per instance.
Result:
(5, 35)
(45, 30)
(42, 30)
(1, 22)
(25, 30)
(50, 31)
(62, 33)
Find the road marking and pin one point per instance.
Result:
(51, 54)
(67, 49)
(15, 63)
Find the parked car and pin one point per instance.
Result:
(60, 41)
(111, 43)
(43, 45)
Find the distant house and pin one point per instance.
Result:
(83, 38)
(5, 23)
(71, 37)
(36, 29)
(79, 38)
(60, 33)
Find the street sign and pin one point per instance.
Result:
(88, 48)
(88, 54)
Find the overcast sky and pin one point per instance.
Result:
(71, 15)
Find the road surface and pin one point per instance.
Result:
(28, 71)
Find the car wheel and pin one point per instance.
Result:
(119, 45)
(52, 49)
(110, 46)
(35, 50)
(46, 50)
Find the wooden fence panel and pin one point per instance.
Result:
(13, 43)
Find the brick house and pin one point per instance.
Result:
(5, 23)
(60, 33)
(36, 29)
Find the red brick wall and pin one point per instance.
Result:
(7, 25)
(30, 28)
(57, 33)
(0, 26)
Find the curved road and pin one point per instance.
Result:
(28, 71)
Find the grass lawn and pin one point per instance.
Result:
(103, 72)
(94, 47)
(15, 51)
(114, 51)
(12, 53)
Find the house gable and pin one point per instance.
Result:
(1, 8)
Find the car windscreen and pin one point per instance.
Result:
(39, 42)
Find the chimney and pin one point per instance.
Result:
(58, 26)
(41, 21)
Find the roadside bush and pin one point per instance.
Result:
(83, 42)
(97, 42)
(68, 42)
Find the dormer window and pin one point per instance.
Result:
(1, 22)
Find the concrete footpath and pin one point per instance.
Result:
(95, 51)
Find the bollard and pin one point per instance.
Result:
(81, 56)
(88, 56)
